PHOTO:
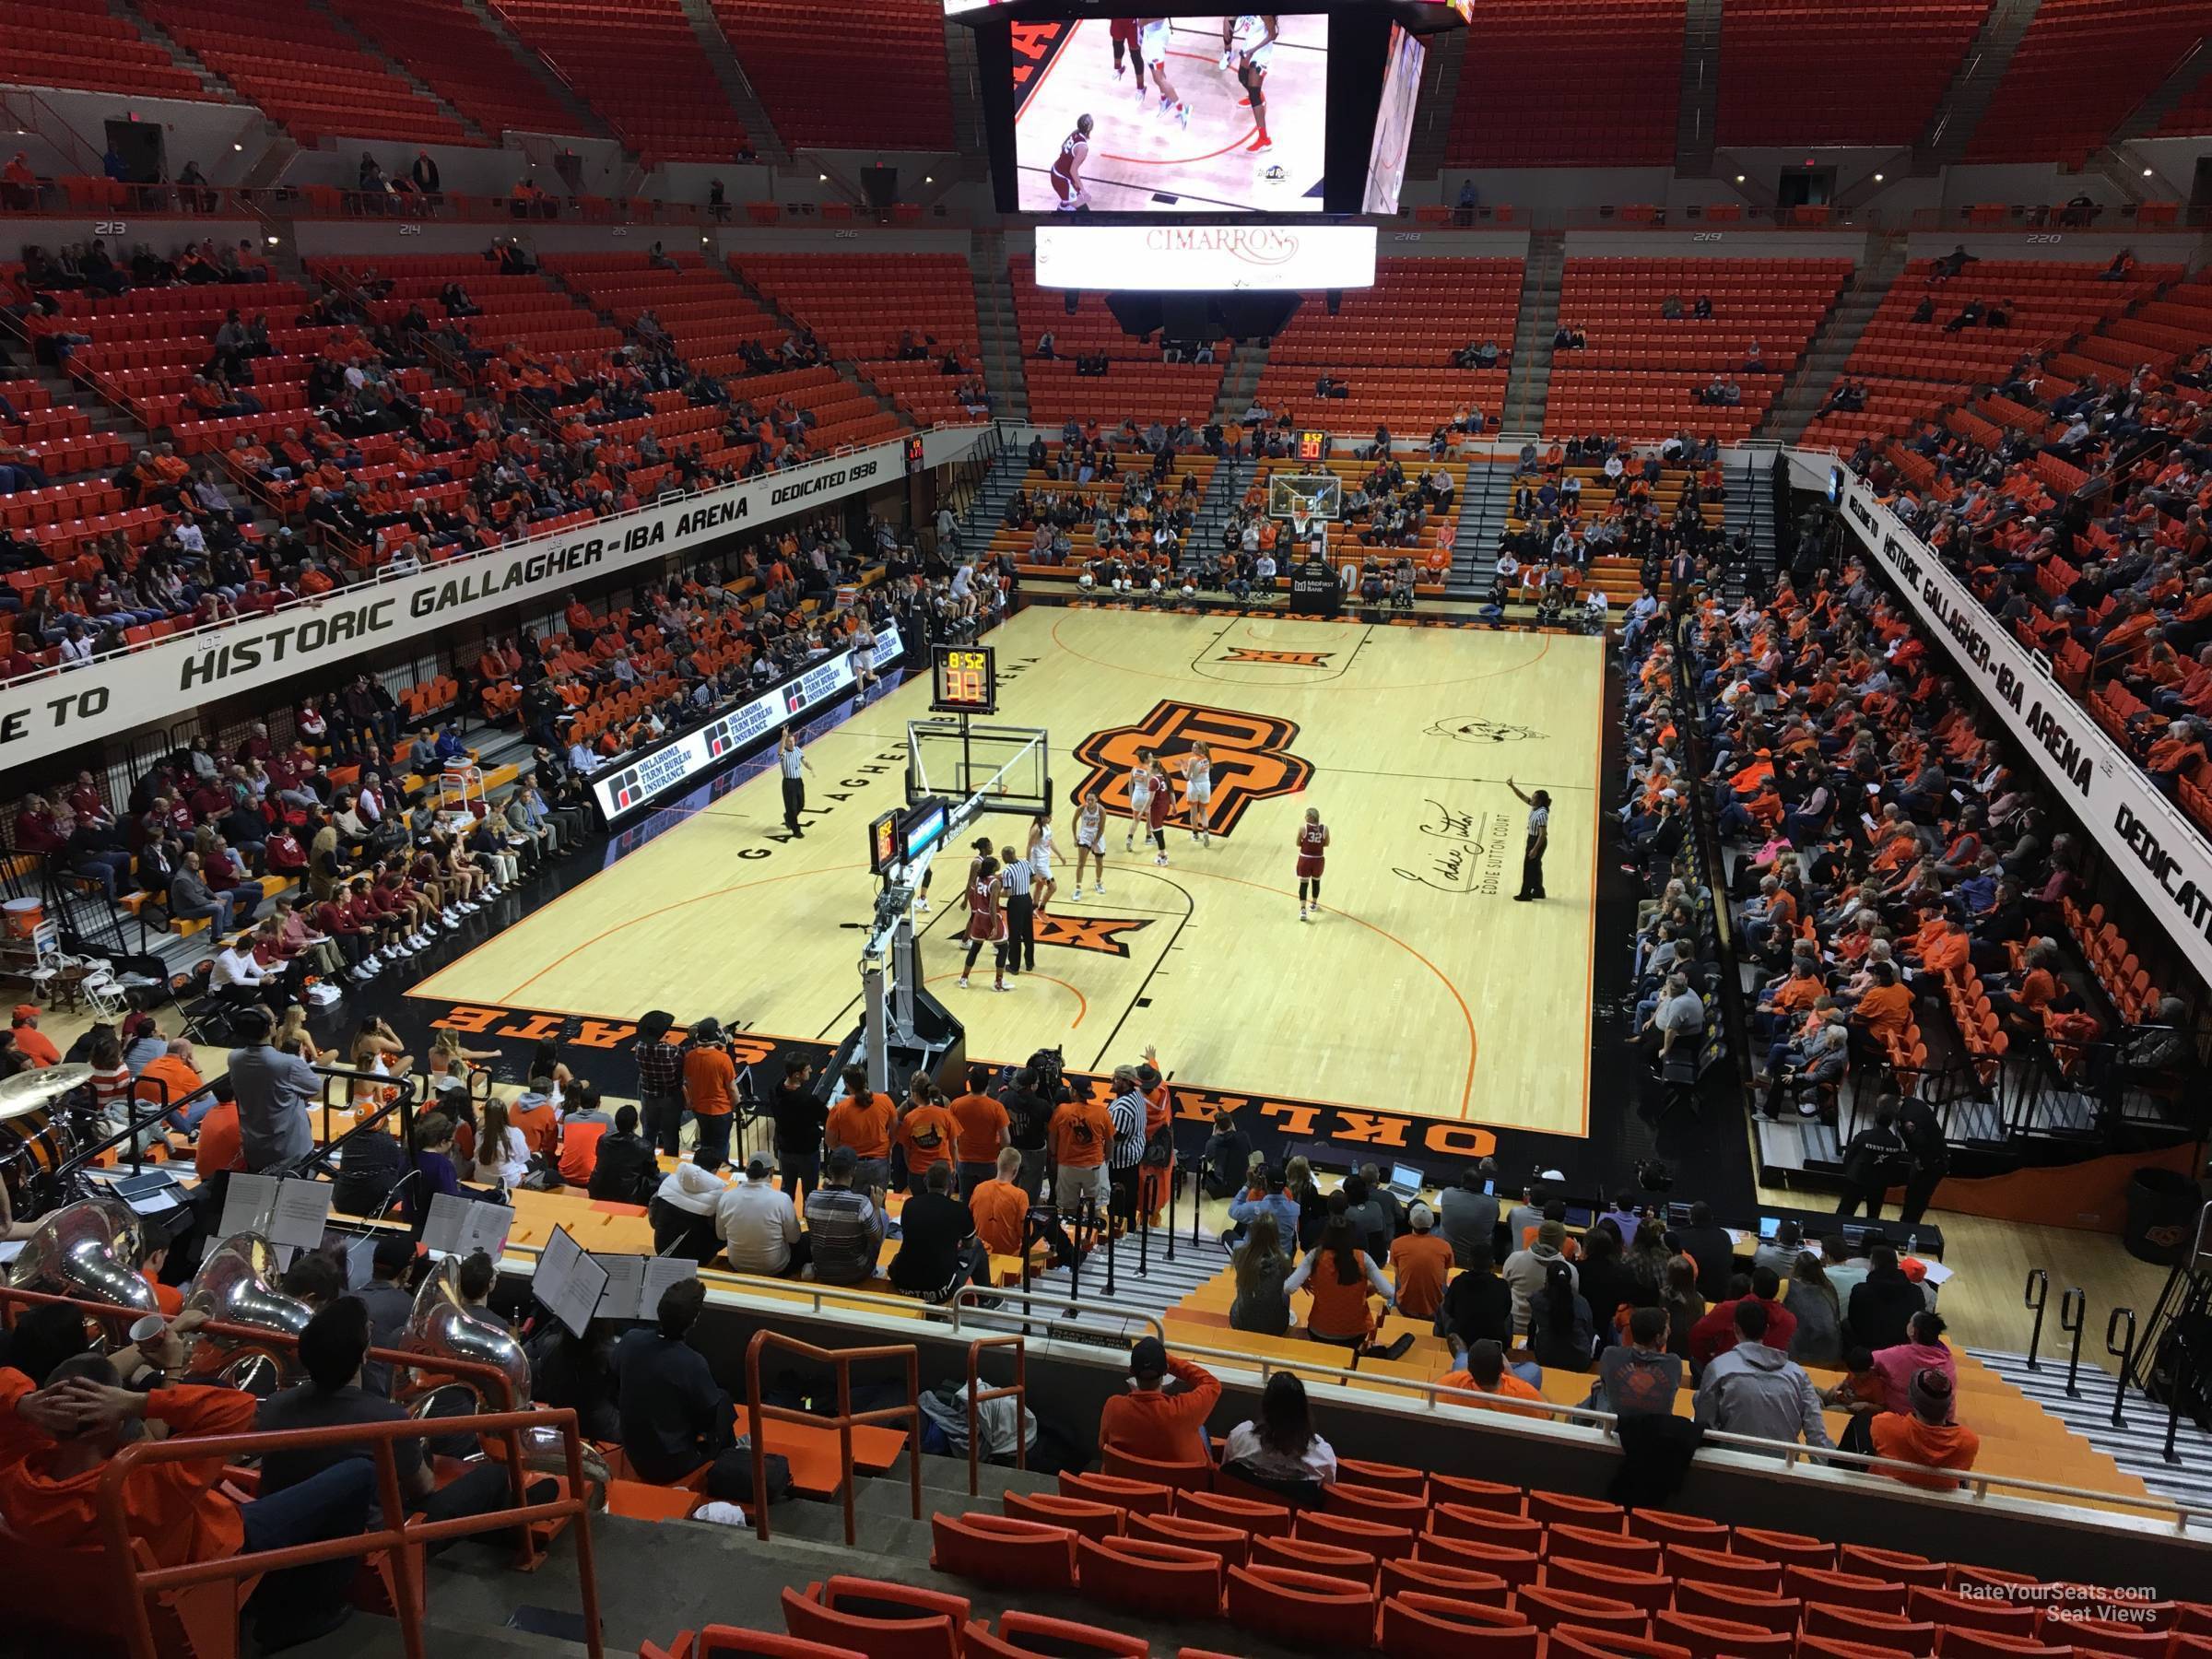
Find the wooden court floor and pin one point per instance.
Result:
(1139, 160)
(1424, 988)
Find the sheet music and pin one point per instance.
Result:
(568, 1281)
(624, 1284)
(460, 1226)
(302, 1212)
(247, 1203)
(660, 1272)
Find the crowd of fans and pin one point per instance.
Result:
(2081, 523)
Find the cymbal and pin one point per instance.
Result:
(28, 1091)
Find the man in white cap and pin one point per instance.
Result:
(760, 1226)
(682, 1211)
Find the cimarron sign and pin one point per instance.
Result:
(57, 712)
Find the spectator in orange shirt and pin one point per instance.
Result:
(981, 1122)
(927, 1133)
(534, 1113)
(221, 1145)
(2175, 755)
(1419, 1263)
(170, 1078)
(1000, 1206)
(710, 1093)
(179, 1510)
(1155, 1421)
(862, 1121)
(1926, 1435)
(1079, 1135)
(153, 1256)
(1885, 1009)
(1482, 1372)
(31, 1043)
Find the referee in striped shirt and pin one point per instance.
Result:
(1015, 874)
(1126, 1158)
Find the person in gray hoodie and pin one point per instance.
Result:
(1525, 1269)
(1753, 1388)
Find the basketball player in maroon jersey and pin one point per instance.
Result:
(1123, 30)
(1068, 170)
(1313, 854)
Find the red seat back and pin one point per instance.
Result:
(923, 1637)
(1746, 1606)
(1456, 1520)
(1549, 1507)
(1165, 1580)
(1491, 1495)
(1376, 1504)
(1891, 1631)
(1079, 1515)
(1970, 1612)
(1597, 1643)
(1439, 1626)
(1721, 1638)
(1609, 1549)
(1001, 1549)
(1391, 1478)
(1377, 1539)
(1898, 1565)
(1823, 1586)
(1954, 1642)
(1126, 1465)
(1231, 1545)
(1649, 1591)
(1301, 1609)
(1792, 1550)
(1546, 1606)
(2105, 1636)
(1254, 1516)
(1320, 1559)
(1516, 1567)
(1433, 1577)
(1664, 1527)
(1148, 1496)
(1034, 1633)
(1693, 1564)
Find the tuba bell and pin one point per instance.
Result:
(442, 1326)
(236, 1286)
(89, 1250)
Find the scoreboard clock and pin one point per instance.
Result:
(916, 455)
(884, 843)
(964, 681)
(1313, 446)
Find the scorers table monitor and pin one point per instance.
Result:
(964, 681)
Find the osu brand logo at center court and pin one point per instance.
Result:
(1281, 659)
(1251, 758)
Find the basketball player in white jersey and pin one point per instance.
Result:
(1154, 35)
(1141, 783)
(1248, 40)
(1198, 790)
(1090, 841)
(1068, 170)
(1040, 854)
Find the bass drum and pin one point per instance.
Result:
(33, 1146)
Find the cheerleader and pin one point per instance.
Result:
(1040, 854)
(1313, 852)
(1198, 792)
(1091, 843)
(986, 922)
(864, 662)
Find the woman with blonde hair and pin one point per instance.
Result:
(292, 1036)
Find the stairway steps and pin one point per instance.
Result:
(2139, 1447)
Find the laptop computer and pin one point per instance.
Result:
(1406, 1181)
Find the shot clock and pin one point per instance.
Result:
(965, 681)
(884, 843)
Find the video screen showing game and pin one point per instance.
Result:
(1393, 123)
(1198, 113)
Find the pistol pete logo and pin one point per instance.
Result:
(1281, 659)
(1251, 758)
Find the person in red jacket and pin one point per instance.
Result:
(1715, 1333)
(1155, 1421)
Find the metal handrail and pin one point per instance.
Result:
(967, 1303)
(1018, 1393)
(393, 1539)
(841, 1361)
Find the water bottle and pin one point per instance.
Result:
(1913, 1243)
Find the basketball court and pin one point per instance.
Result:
(1142, 160)
(1424, 987)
